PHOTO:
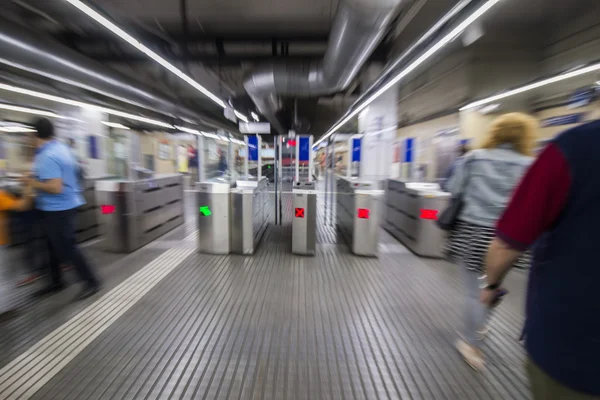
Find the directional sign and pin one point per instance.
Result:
(429, 214)
(205, 210)
(363, 213)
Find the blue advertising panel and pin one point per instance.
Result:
(356, 149)
(304, 150)
(408, 150)
(253, 148)
(93, 147)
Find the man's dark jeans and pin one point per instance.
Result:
(59, 231)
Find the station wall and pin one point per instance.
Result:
(589, 113)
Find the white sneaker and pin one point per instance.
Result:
(483, 332)
(472, 356)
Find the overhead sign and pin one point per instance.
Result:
(230, 114)
(263, 128)
(563, 120)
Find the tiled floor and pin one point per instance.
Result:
(278, 326)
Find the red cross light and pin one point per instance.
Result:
(299, 212)
(429, 214)
(108, 209)
(363, 213)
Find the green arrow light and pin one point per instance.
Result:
(204, 210)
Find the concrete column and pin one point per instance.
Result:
(378, 123)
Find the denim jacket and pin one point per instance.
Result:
(486, 179)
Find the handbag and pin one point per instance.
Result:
(449, 217)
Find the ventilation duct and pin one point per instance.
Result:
(358, 27)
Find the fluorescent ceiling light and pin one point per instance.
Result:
(416, 63)
(211, 135)
(225, 139)
(255, 116)
(76, 103)
(28, 110)
(138, 45)
(532, 86)
(115, 125)
(16, 129)
(240, 116)
(188, 130)
(489, 108)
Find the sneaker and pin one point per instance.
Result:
(49, 290)
(483, 332)
(88, 291)
(29, 280)
(472, 355)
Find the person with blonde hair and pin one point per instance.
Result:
(485, 181)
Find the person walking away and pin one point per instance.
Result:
(58, 197)
(555, 210)
(194, 165)
(463, 149)
(485, 180)
(8, 203)
(222, 162)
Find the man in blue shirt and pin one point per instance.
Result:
(58, 196)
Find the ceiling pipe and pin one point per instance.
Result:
(27, 50)
(358, 28)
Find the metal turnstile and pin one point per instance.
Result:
(304, 222)
(411, 212)
(214, 217)
(251, 211)
(134, 213)
(87, 223)
(359, 209)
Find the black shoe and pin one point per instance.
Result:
(8, 314)
(48, 290)
(88, 291)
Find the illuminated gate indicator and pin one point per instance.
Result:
(299, 212)
(107, 209)
(429, 214)
(363, 213)
(205, 210)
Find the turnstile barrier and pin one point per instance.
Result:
(358, 214)
(134, 213)
(412, 209)
(304, 218)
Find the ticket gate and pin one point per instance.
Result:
(233, 217)
(359, 213)
(132, 213)
(251, 211)
(304, 222)
(214, 215)
(411, 211)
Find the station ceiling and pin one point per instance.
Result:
(218, 42)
